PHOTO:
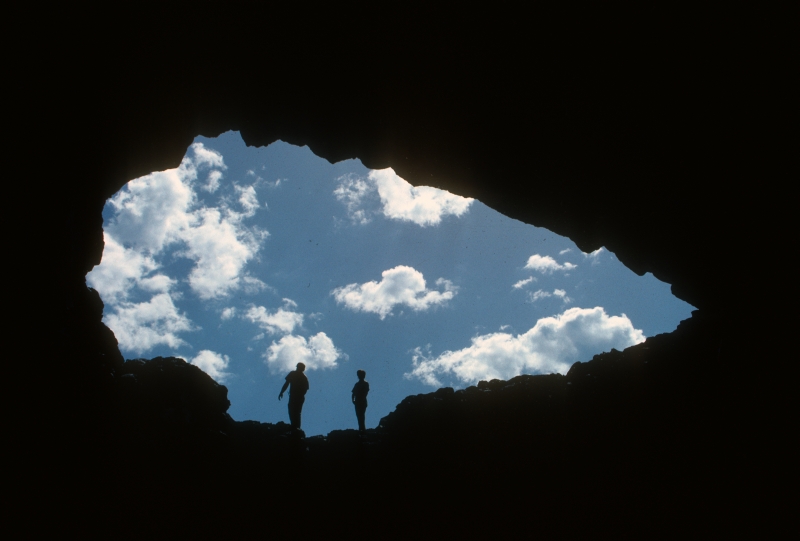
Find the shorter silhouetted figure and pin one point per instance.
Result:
(297, 393)
(360, 390)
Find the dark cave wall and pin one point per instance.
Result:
(637, 137)
(656, 133)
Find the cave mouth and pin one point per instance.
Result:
(245, 261)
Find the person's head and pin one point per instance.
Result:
(361, 374)
(301, 367)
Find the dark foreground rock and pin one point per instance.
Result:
(625, 440)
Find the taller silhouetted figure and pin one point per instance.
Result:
(297, 393)
(360, 390)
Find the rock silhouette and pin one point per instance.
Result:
(593, 434)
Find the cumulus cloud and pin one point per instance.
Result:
(399, 200)
(213, 364)
(159, 283)
(120, 270)
(220, 251)
(523, 283)
(161, 211)
(317, 352)
(422, 205)
(552, 345)
(401, 285)
(156, 211)
(204, 157)
(151, 211)
(281, 321)
(228, 313)
(142, 326)
(546, 264)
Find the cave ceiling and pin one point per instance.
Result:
(636, 137)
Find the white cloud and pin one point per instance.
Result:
(142, 326)
(563, 295)
(151, 211)
(248, 200)
(220, 250)
(552, 345)
(159, 283)
(228, 313)
(594, 256)
(205, 157)
(277, 322)
(546, 264)
(253, 285)
(213, 364)
(155, 211)
(120, 270)
(212, 181)
(523, 283)
(565, 251)
(399, 200)
(401, 285)
(353, 191)
(539, 294)
(316, 353)
(160, 211)
(422, 205)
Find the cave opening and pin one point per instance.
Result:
(247, 260)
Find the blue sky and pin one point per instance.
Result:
(245, 261)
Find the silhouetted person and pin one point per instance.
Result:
(360, 390)
(297, 393)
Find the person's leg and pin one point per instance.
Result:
(295, 411)
(300, 410)
(361, 410)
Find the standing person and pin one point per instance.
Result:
(297, 393)
(360, 390)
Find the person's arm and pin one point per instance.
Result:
(285, 385)
(353, 395)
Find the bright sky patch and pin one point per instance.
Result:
(246, 261)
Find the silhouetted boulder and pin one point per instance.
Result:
(168, 391)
